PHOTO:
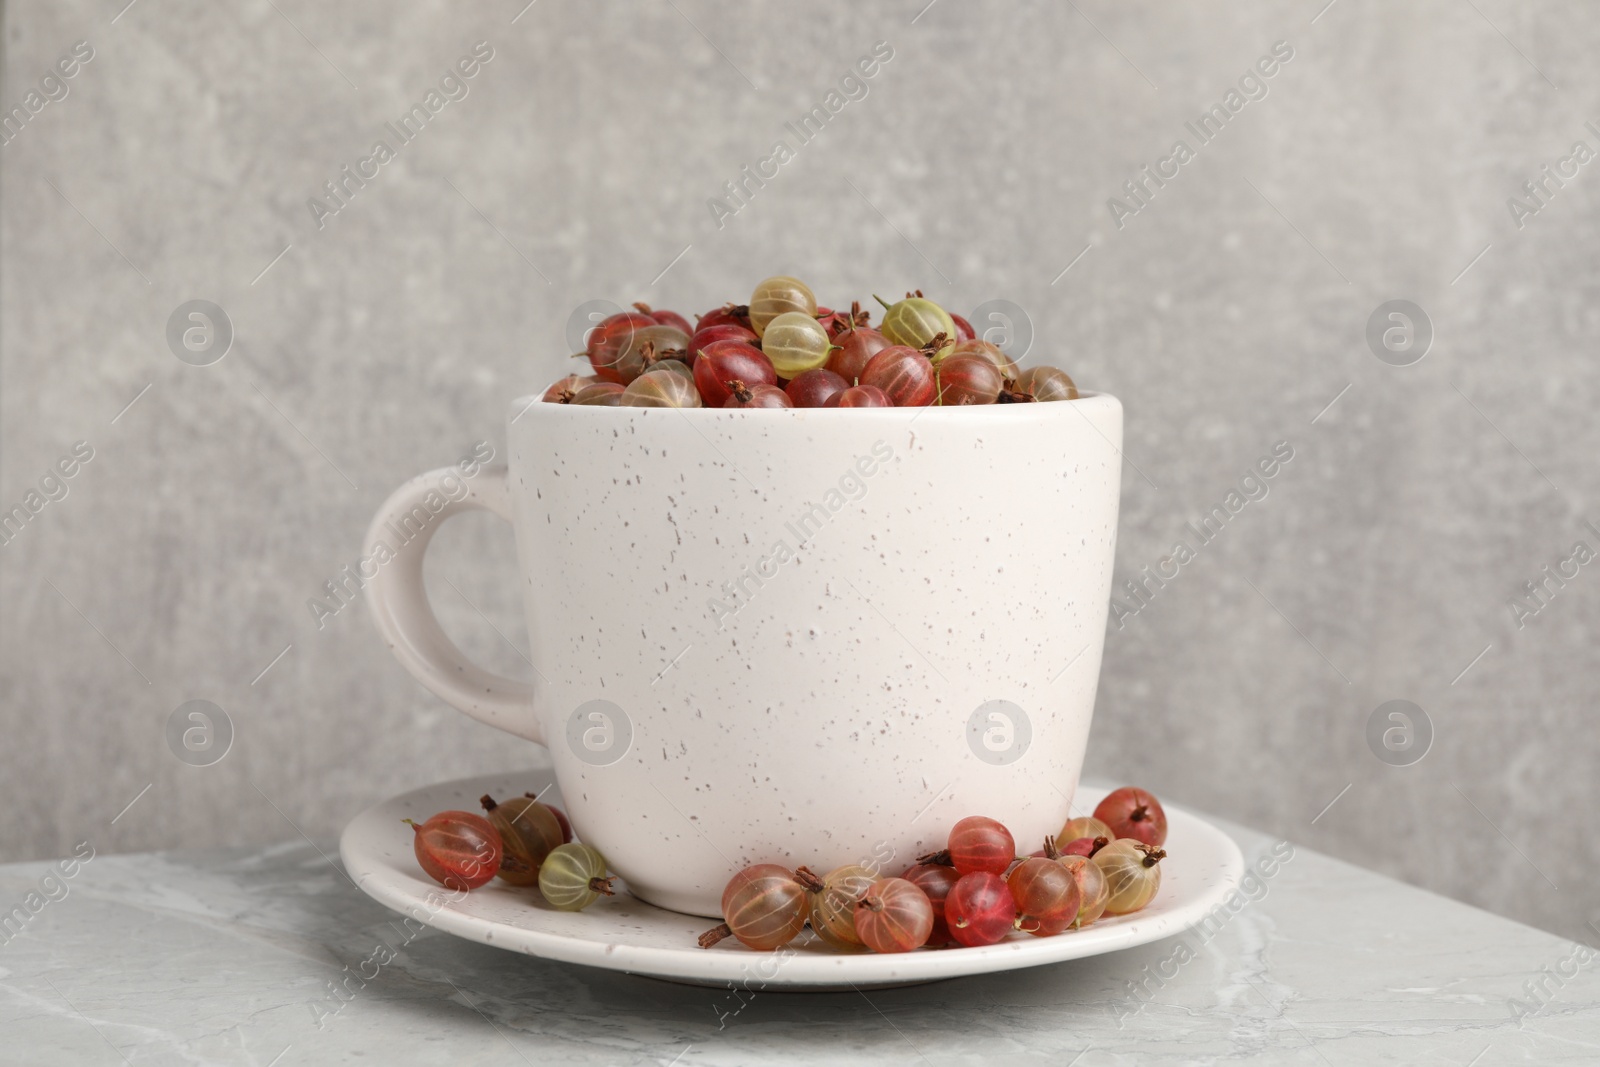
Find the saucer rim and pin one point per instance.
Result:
(398, 889)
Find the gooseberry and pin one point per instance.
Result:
(860, 396)
(661, 388)
(904, 374)
(726, 332)
(611, 336)
(964, 330)
(561, 817)
(756, 396)
(993, 353)
(457, 849)
(650, 347)
(666, 318)
(836, 322)
(573, 877)
(1132, 872)
(1047, 383)
(978, 843)
(565, 389)
(1084, 846)
(764, 906)
(916, 321)
(1134, 813)
(726, 361)
(1046, 896)
(964, 380)
(833, 902)
(1084, 826)
(935, 880)
(528, 831)
(893, 915)
(814, 388)
(853, 348)
(795, 342)
(729, 314)
(1093, 892)
(600, 394)
(774, 296)
(979, 909)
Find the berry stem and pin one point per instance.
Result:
(1099, 843)
(715, 934)
(808, 878)
(940, 858)
(1050, 849)
(488, 802)
(602, 885)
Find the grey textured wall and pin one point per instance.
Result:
(1228, 314)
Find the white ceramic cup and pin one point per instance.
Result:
(795, 636)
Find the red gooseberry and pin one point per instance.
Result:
(860, 396)
(561, 817)
(666, 318)
(563, 390)
(1046, 896)
(1084, 846)
(648, 348)
(980, 909)
(457, 849)
(764, 906)
(894, 915)
(725, 361)
(1047, 383)
(726, 332)
(1133, 813)
(756, 396)
(814, 388)
(528, 831)
(977, 843)
(612, 336)
(965, 380)
(904, 374)
(600, 394)
(854, 347)
(935, 880)
(730, 313)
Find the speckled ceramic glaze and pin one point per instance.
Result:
(797, 636)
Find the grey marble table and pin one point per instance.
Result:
(231, 958)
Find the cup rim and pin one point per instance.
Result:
(523, 404)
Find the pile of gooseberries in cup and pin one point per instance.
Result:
(781, 350)
(975, 891)
(524, 842)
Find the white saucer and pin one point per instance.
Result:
(623, 933)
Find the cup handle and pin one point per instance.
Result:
(401, 531)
